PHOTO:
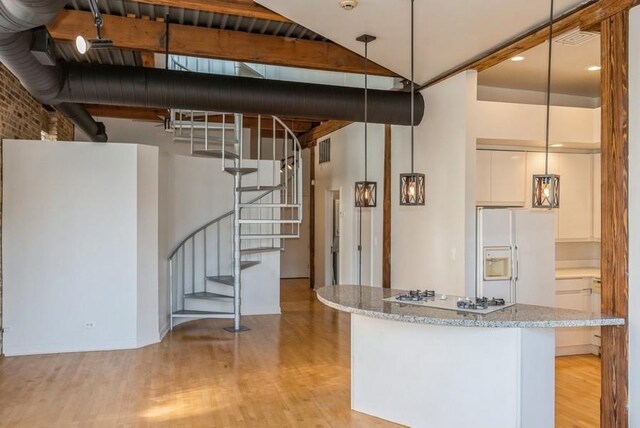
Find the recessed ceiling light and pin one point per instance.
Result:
(594, 68)
(557, 145)
(517, 58)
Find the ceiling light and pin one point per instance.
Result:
(348, 4)
(82, 45)
(557, 145)
(594, 68)
(517, 58)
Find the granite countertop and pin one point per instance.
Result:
(367, 301)
(570, 273)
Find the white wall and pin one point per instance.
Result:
(526, 122)
(434, 246)
(147, 245)
(193, 191)
(521, 96)
(347, 167)
(634, 217)
(75, 263)
(294, 260)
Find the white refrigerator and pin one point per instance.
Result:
(516, 255)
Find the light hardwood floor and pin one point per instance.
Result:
(289, 370)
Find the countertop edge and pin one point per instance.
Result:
(606, 322)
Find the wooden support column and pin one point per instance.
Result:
(312, 216)
(615, 248)
(386, 205)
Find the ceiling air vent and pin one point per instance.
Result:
(575, 37)
(324, 148)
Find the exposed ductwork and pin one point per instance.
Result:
(148, 87)
(68, 85)
(17, 18)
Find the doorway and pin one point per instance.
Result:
(332, 242)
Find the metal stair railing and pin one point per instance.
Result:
(263, 221)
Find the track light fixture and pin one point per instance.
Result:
(83, 45)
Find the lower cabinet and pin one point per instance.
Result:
(574, 294)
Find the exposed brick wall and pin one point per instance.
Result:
(59, 127)
(22, 117)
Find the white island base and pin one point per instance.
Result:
(452, 377)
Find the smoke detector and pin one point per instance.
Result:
(348, 4)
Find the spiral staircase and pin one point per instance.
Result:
(205, 268)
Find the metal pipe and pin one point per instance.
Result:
(149, 87)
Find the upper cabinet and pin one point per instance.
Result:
(500, 179)
(597, 179)
(575, 215)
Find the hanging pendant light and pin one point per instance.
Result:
(412, 185)
(365, 191)
(546, 187)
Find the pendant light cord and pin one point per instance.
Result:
(546, 158)
(366, 118)
(412, 90)
(366, 103)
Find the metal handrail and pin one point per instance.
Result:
(215, 220)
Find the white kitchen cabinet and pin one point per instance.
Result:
(575, 215)
(483, 177)
(576, 209)
(535, 165)
(500, 178)
(574, 294)
(597, 180)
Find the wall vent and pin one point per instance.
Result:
(324, 147)
(575, 37)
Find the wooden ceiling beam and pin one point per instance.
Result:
(147, 35)
(122, 112)
(244, 8)
(148, 59)
(585, 17)
(155, 115)
(310, 138)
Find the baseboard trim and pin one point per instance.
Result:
(563, 351)
(163, 331)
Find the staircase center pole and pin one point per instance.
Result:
(236, 251)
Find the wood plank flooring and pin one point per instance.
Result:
(290, 370)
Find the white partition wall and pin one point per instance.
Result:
(434, 246)
(79, 243)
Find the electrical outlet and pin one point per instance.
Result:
(89, 324)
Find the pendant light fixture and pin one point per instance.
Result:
(365, 191)
(546, 187)
(412, 185)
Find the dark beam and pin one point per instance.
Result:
(386, 214)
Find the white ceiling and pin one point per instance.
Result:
(447, 32)
(569, 74)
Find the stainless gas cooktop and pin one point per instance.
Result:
(432, 299)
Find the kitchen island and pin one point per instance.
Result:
(428, 367)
